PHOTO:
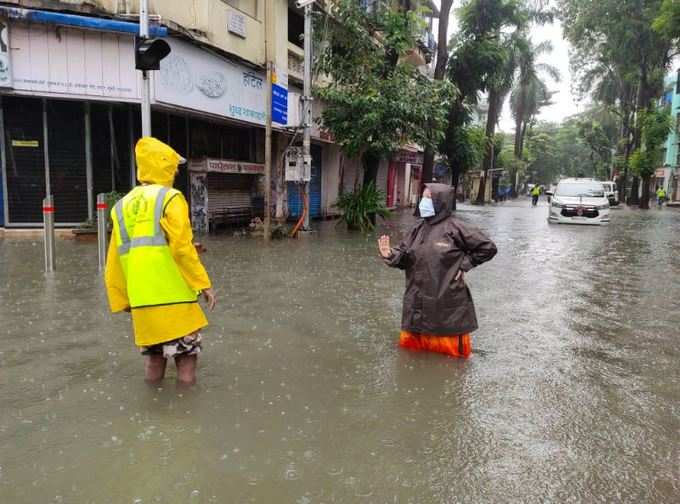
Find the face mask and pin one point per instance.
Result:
(426, 207)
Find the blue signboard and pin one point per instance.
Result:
(279, 104)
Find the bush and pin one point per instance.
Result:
(360, 208)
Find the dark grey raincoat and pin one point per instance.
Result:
(432, 254)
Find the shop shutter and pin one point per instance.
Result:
(66, 134)
(25, 161)
(101, 149)
(228, 191)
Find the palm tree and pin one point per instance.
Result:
(530, 93)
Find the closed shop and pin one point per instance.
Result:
(25, 162)
(66, 154)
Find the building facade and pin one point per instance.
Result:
(70, 108)
(668, 175)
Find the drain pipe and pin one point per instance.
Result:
(77, 21)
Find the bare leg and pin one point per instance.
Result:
(154, 368)
(186, 369)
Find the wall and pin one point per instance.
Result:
(206, 20)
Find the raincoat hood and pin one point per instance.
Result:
(442, 200)
(156, 162)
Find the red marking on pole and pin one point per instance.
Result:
(48, 209)
(101, 206)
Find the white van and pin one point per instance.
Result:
(579, 201)
(611, 192)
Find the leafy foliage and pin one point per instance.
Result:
(376, 100)
(656, 125)
(359, 208)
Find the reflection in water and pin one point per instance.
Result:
(304, 397)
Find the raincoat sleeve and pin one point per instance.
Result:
(177, 226)
(477, 246)
(116, 286)
(399, 257)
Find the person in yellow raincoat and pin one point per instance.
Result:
(153, 269)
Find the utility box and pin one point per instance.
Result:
(297, 170)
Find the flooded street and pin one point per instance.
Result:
(572, 393)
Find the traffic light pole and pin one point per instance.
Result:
(146, 82)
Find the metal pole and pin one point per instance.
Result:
(146, 82)
(48, 220)
(46, 150)
(307, 107)
(88, 163)
(102, 219)
(3, 163)
(268, 158)
(269, 40)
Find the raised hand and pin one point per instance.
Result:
(384, 246)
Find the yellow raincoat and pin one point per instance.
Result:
(157, 164)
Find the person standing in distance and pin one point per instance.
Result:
(153, 269)
(438, 312)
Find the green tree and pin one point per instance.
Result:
(656, 124)
(530, 94)
(475, 56)
(618, 37)
(376, 101)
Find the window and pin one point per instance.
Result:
(296, 28)
(246, 6)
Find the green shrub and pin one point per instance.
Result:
(360, 208)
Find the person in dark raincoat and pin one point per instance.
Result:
(438, 312)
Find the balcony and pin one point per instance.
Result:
(296, 62)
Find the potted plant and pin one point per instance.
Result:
(360, 208)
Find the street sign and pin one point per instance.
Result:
(279, 104)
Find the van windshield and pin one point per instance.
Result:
(582, 189)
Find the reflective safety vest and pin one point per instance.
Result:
(152, 276)
(536, 191)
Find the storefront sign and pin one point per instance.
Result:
(226, 166)
(660, 173)
(5, 65)
(236, 23)
(25, 143)
(404, 156)
(68, 61)
(279, 97)
(193, 78)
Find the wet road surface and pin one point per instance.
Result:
(572, 394)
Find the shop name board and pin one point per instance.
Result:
(409, 157)
(660, 173)
(195, 79)
(5, 66)
(226, 166)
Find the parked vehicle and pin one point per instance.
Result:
(579, 201)
(611, 192)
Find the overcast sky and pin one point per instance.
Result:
(565, 103)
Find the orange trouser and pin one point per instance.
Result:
(455, 346)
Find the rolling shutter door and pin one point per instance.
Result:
(25, 161)
(66, 125)
(228, 191)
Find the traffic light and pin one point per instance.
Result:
(149, 53)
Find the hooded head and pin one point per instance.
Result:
(156, 162)
(442, 200)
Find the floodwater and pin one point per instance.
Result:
(572, 394)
